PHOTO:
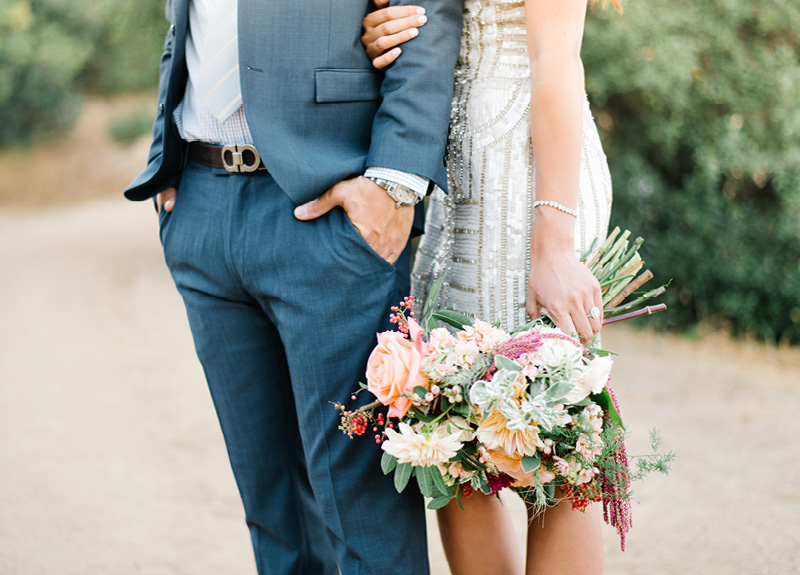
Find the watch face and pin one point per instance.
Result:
(406, 196)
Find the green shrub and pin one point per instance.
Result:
(51, 51)
(41, 59)
(699, 107)
(131, 127)
(128, 38)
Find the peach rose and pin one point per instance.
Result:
(512, 466)
(393, 368)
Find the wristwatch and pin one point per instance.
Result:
(402, 195)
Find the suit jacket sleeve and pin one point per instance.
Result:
(409, 132)
(154, 179)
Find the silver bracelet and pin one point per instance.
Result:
(555, 205)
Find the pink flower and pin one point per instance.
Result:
(394, 368)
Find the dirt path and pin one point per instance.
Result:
(111, 461)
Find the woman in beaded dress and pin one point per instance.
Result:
(508, 235)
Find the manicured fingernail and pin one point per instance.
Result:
(422, 19)
(168, 205)
(300, 211)
(413, 32)
(420, 10)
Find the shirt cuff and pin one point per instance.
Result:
(417, 184)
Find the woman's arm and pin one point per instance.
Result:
(559, 284)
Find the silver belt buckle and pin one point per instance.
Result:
(237, 158)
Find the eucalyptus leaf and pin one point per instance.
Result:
(440, 502)
(558, 391)
(401, 476)
(438, 481)
(433, 297)
(424, 481)
(502, 362)
(388, 462)
(531, 462)
(454, 318)
(420, 391)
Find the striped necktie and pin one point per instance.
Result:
(218, 83)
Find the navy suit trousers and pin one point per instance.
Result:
(284, 315)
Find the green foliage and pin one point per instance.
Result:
(41, 57)
(51, 51)
(130, 127)
(699, 107)
(128, 38)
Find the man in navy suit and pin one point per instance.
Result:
(287, 170)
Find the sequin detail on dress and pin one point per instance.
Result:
(477, 236)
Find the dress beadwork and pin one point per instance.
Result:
(478, 235)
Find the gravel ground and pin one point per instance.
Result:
(111, 461)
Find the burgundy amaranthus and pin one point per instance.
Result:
(498, 482)
(515, 347)
(616, 505)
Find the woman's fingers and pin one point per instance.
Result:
(384, 43)
(385, 59)
(382, 34)
(580, 320)
(378, 17)
(597, 323)
(563, 321)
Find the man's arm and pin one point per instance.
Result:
(409, 132)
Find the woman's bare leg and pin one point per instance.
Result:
(479, 539)
(563, 541)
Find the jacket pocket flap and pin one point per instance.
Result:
(347, 85)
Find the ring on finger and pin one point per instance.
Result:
(594, 313)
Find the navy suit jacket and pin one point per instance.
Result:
(318, 112)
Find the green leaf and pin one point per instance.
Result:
(440, 502)
(454, 318)
(438, 481)
(502, 362)
(525, 327)
(421, 415)
(424, 480)
(558, 391)
(420, 391)
(550, 492)
(388, 462)
(483, 484)
(433, 297)
(603, 399)
(531, 462)
(401, 476)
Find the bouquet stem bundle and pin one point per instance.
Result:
(617, 266)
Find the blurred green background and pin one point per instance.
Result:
(698, 104)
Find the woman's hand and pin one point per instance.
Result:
(564, 289)
(387, 28)
(559, 285)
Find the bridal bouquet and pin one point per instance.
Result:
(477, 408)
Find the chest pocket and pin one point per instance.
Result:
(347, 85)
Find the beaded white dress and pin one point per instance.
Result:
(478, 235)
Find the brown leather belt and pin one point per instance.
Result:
(234, 159)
